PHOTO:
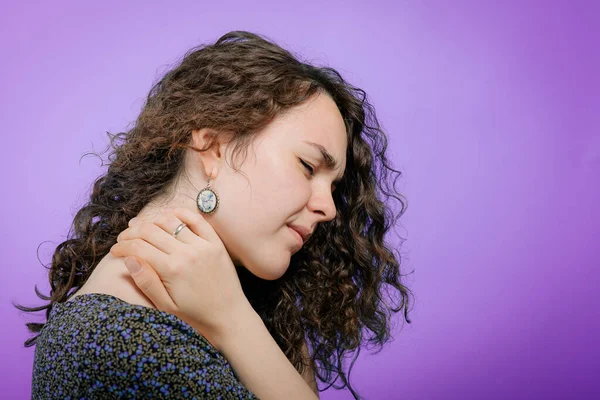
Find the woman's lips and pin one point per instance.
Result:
(298, 237)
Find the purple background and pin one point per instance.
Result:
(493, 116)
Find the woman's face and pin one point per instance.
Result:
(253, 213)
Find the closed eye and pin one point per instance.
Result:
(307, 166)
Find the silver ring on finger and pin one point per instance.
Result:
(179, 228)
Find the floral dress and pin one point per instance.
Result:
(97, 346)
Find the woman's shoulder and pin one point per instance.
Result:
(99, 342)
(107, 318)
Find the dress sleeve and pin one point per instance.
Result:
(153, 356)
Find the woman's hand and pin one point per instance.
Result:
(190, 276)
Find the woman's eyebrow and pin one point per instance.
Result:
(330, 161)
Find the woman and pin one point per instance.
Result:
(299, 218)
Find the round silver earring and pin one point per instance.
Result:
(207, 200)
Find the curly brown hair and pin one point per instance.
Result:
(334, 287)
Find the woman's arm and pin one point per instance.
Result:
(257, 360)
(309, 372)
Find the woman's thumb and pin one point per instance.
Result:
(148, 281)
(133, 265)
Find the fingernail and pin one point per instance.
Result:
(132, 265)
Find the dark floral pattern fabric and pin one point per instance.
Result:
(97, 346)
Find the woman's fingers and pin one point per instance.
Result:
(150, 284)
(169, 222)
(142, 250)
(197, 224)
(154, 234)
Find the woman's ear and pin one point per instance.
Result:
(203, 138)
(210, 154)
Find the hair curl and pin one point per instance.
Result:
(334, 286)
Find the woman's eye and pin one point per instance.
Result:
(307, 166)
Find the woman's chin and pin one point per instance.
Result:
(270, 275)
(269, 272)
(265, 264)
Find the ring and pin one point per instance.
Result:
(179, 228)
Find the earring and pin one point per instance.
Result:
(207, 200)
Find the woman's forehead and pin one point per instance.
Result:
(319, 120)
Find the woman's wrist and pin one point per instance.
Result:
(232, 326)
(239, 319)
